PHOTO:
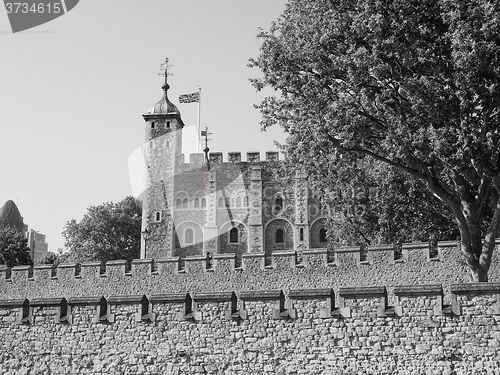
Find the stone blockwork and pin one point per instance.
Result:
(261, 332)
(318, 313)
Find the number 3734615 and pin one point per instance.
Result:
(33, 8)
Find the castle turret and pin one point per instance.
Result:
(163, 146)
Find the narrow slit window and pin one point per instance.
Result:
(322, 235)
(278, 204)
(279, 236)
(233, 235)
(301, 234)
(189, 236)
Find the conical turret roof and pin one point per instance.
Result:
(10, 216)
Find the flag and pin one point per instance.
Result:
(190, 98)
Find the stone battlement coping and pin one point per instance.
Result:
(418, 290)
(253, 255)
(214, 297)
(41, 267)
(169, 298)
(118, 262)
(363, 292)
(38, 302)
(475, 288)
(261, 295)
(16, 302)
(21, 268)
(67, 265)
(126, 299)
(257, 295)
(310, 293)
(90, 300)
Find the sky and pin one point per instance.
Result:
(73, 91)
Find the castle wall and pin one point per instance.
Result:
(410, 332)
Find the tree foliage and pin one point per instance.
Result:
(14, 250)
(412, 84)
(106, 232)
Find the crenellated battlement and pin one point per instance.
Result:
(231, 157)
(416, 263)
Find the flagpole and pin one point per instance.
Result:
(199, 112)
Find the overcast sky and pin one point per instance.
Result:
(73, 91)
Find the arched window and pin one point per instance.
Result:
(178, 203)
(279, 236)
(188, 236)
(301, 234)
(196, 202)
(227, 201)
(168, 124)
(220, 202)
(185, 203)
(158, 216)
(238, 201)
(153, 125)
(278, 204)
(322, 235)
(233, 235)
(203, 203)
(246, 202)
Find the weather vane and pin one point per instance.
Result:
(205, 133)
(164, 67)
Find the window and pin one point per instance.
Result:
(220, 202)
(278, 204)
(178, 203)
(189, 236)
(185, 203)
(196, 202)
(203, 203)
(279, 236)
(167, 144)
(153, 125)
(227, 201)
(168, 124)
(301, 234)
(238, 202)
(157, 216)
(322, 235)
(246, 202)
(233, 235)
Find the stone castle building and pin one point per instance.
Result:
(209, 205)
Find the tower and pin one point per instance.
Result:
(162, 148)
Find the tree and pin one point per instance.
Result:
(14, 250)
(369, 202)
(106, 232)
(413, 84)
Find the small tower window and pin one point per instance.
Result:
(189, 236)
(178, 203)
(168, 124)
(238, 201)
(246, 202)
(279, 236)
(220, 202)
(278, 204)
(233, 235)
(196, 202)
(185, 203)
(152, 125)
(167, 144)
(203, 203)
(157, 216)
(301, 234)
(322, 235)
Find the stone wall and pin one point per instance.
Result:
(319, 313)
(411, 331)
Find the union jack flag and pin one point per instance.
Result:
(190, 98)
